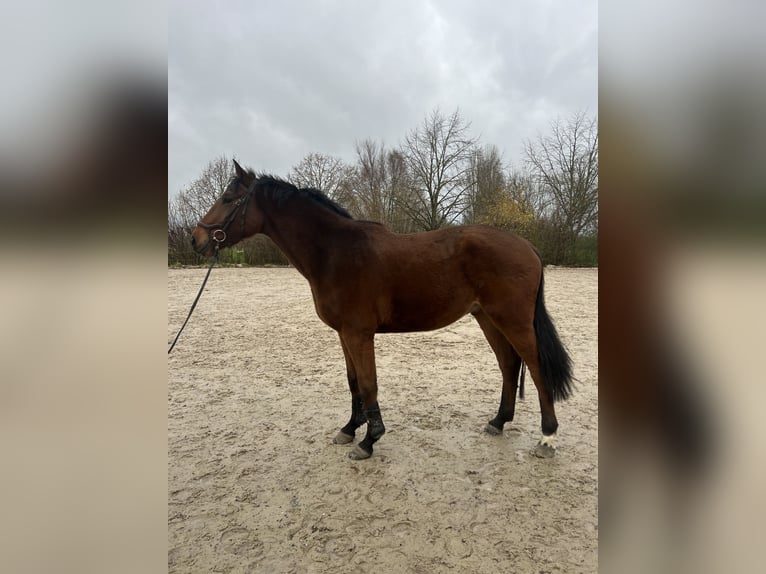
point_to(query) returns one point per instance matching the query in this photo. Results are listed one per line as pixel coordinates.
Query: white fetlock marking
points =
(549, 440)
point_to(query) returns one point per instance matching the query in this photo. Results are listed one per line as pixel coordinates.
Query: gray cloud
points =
(270, 82)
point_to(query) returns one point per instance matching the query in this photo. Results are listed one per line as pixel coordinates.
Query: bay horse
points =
(365, 279)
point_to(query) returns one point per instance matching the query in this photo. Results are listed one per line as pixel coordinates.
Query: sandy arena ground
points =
(257, 391)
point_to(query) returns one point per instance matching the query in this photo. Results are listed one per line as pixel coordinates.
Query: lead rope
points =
(209, 269)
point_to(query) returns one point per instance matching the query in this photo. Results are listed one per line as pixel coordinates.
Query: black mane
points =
(280, 190)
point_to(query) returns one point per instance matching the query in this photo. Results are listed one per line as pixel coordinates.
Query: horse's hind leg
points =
(521, 334)
(509, 362)
(346, 434)
(525, 343)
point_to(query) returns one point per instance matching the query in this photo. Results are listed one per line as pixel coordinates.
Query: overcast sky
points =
(269, 82)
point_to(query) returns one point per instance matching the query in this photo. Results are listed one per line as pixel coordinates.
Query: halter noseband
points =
(218, 233)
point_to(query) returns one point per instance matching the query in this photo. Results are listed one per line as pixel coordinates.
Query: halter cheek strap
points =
(219, 231)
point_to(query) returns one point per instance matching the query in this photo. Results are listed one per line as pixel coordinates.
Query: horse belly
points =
(407, 314)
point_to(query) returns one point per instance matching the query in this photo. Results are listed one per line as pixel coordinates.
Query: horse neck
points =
(306, 233)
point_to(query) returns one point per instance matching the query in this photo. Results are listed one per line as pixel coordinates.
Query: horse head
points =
(232, 218)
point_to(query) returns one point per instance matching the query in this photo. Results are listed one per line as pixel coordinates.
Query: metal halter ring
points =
(215, 237)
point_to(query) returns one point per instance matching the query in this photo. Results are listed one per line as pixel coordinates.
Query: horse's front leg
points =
(360, 352)
(346, 434)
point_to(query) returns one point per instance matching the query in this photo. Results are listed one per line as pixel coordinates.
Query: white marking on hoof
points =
(545, 448)
(548, 440)
(491, 429)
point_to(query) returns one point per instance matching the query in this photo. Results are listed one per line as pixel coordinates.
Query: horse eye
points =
(228, 199)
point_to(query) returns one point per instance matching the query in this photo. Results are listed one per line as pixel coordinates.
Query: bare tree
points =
(524, 190)
(485, 178)
(179, 249)
(501, 198)
(437, 154)
(196, 198)
(381, 185)
(371, 180)
(565, 165)
(320, 171)
(401, 192)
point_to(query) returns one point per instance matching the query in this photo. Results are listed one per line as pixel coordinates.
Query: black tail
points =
(555, 364)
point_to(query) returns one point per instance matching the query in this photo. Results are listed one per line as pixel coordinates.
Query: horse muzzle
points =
(216, 238)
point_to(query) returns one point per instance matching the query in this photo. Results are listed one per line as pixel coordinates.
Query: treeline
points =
(439, 176)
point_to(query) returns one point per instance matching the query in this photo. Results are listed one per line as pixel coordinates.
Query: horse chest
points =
(327, 309)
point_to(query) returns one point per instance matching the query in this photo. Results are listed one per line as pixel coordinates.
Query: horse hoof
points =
(492, 429)
(359, 453)
(342, 438)
(544, 450)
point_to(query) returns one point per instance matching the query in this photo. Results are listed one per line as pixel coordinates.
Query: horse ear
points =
(238, 168)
